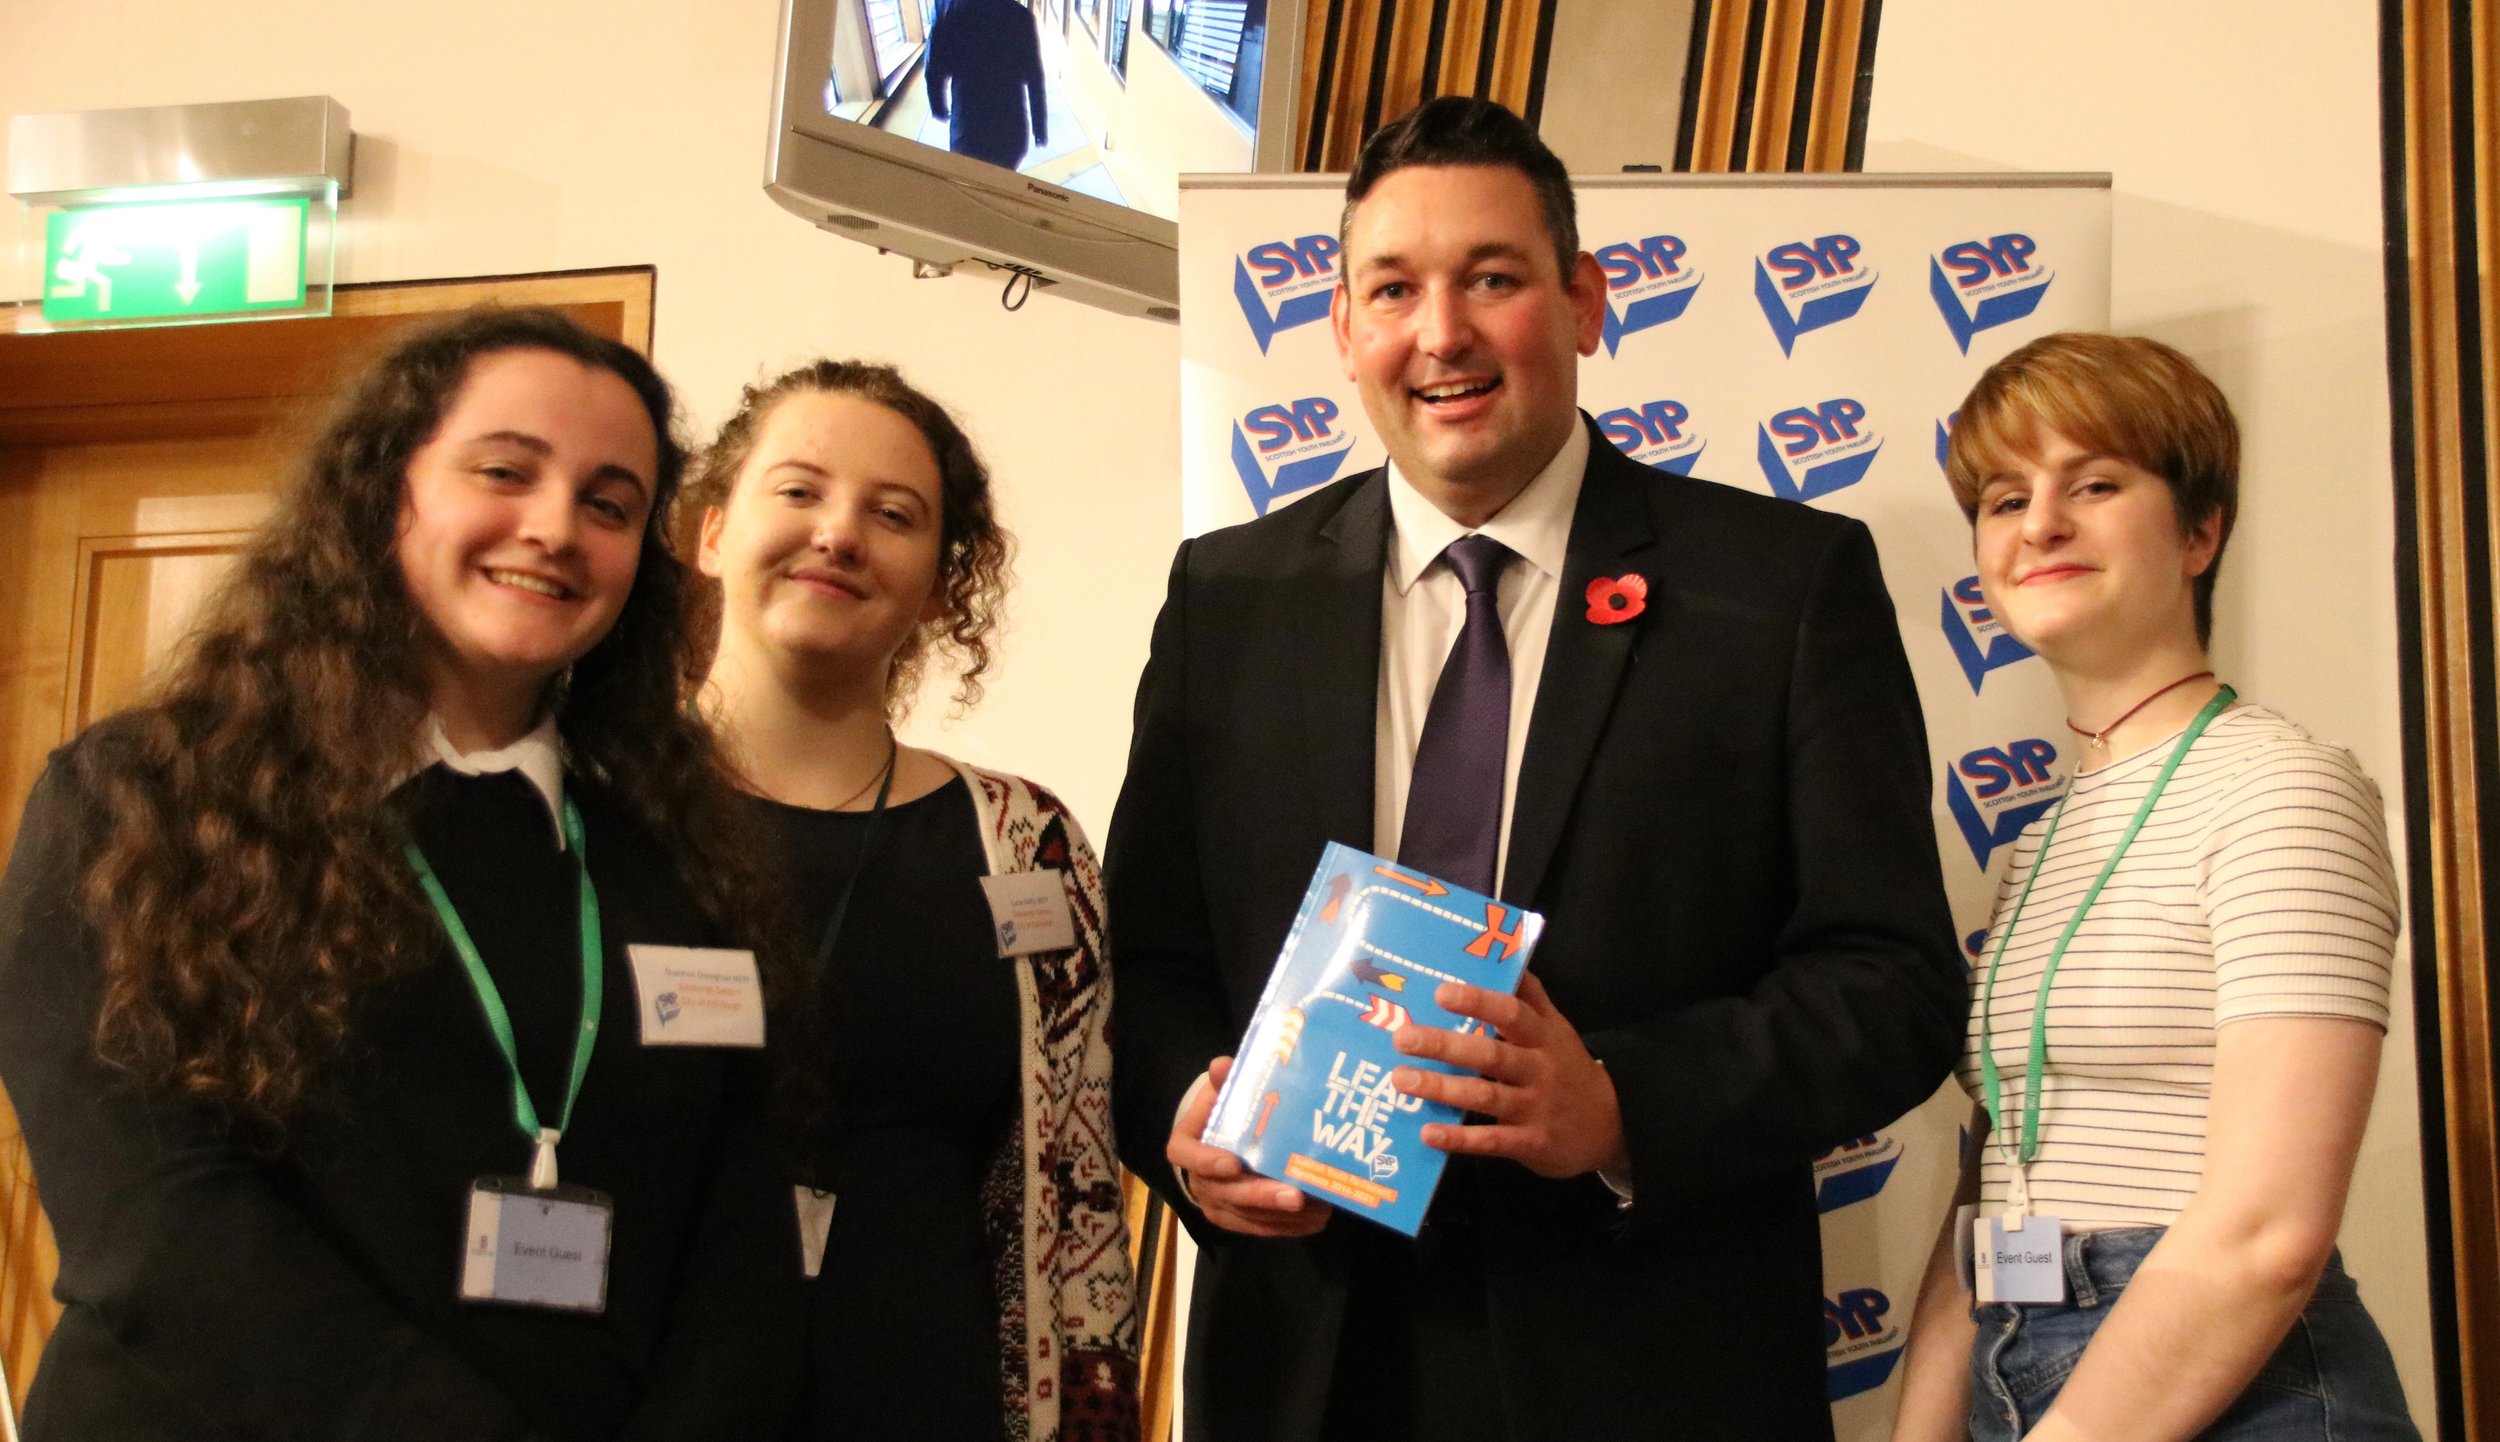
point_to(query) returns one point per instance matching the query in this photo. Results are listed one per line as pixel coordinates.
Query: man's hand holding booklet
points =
(1309, 1100)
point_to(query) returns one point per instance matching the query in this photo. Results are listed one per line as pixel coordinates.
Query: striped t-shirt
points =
(2260, 886)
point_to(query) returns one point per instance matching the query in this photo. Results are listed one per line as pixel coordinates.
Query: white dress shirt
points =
(1423, 607)
(538, 756)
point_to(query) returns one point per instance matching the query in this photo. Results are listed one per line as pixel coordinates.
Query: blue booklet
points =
(1308, 1100)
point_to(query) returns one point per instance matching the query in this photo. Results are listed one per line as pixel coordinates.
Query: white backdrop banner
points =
(1806, 337)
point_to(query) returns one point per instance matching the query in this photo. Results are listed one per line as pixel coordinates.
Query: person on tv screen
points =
(320, 970)
(985, 80)
(2179, 1006)
(964, 1214)
(1675, 718)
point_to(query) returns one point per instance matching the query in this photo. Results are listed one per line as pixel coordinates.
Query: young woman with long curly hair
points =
(320, 971)
(974, 1278)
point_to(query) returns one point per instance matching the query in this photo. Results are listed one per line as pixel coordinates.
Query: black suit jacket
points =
(1723, 813)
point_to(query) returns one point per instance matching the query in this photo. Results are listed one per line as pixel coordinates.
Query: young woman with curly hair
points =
(974, 1277)
(357, 915)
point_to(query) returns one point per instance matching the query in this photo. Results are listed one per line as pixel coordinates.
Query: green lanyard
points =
(2040, 1003)
(594, 970)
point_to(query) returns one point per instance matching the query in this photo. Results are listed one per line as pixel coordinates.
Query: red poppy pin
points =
(1618, 598)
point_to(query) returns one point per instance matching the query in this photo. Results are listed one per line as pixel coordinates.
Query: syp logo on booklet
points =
(1996, 791)
(1808, 285)
(1981, 284)
(1647, 284)
(1657, 433)
(1287, 447)
(1813, 450)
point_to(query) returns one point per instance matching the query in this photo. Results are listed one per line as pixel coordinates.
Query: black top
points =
(923, 1035)
(213, 1293)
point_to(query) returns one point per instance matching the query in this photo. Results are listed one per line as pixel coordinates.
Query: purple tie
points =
(1454, 800)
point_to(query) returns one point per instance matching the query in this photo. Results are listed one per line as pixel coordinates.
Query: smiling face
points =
(1460, 332)
(827, 550)
(521, 524)
(2082, 557)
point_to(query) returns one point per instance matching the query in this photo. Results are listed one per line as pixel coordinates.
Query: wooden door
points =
(132, 466)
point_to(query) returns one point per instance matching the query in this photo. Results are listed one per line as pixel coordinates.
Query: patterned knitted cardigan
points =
(1050, 1199)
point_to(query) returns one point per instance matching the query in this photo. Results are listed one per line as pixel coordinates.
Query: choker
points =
(2100, 738)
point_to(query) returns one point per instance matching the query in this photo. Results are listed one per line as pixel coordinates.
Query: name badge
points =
(815, 1224)
(1030, 912)
(698, 996)
(2025, 1263)
(537, 1249)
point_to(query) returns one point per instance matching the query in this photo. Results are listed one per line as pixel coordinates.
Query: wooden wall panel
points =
(2441, 100)
(1777, 85)
(1366, 62)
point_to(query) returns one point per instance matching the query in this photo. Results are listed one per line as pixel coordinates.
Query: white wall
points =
(2244, 147)
(495, 138)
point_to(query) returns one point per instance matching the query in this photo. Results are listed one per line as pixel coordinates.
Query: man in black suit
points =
(1676, 719)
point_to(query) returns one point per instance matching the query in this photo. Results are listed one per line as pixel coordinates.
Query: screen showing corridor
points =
(1113, 99)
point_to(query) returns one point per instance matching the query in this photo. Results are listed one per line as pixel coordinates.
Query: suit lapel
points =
(1584, 664)
(1338, 671)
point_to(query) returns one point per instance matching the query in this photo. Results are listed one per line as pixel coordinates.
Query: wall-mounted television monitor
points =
(1047, 136)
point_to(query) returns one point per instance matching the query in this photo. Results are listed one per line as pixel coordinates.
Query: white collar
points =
(1536, 525)
(538, 756)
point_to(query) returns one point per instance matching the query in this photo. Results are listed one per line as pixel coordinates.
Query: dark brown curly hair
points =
(974, 550)
(247, 888)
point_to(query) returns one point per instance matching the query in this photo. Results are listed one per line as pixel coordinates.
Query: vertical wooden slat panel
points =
(1367, 62)
(1721, 80)
(1775, 87)
(1319, 31)
(2451, 364)
(1514, 52)
(1835, 88)
(2484, 101)
(1410, 39)
(1358, 29)
(1462, 48)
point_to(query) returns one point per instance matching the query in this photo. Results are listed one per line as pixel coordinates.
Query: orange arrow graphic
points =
(1267, 1104)
(1424, 884)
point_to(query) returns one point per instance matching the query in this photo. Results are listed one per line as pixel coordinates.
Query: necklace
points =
(892, 749)
(2098, 738)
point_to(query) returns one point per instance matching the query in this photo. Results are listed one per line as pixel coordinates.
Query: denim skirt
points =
(2332, 1380)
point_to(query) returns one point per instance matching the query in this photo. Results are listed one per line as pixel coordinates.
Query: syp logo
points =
(1944, 443)
(1647, 284)
(1811, 451)
(1996, 791)
(1854, 1171)
(1656, 433)
(1981, 284)
(1282, 449)
(1805, 285)
(1861, 1345)
(1979, 640)
(1285, 283)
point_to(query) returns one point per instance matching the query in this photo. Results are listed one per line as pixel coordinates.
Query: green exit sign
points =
(175, 260)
